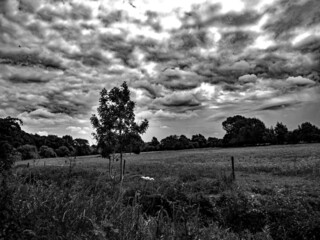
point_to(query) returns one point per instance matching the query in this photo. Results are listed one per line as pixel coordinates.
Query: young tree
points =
(115, 124)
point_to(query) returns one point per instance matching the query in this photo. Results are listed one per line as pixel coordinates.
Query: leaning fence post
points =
(232, 163)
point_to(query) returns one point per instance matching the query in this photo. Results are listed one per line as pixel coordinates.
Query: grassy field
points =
(279, 166)
(276, 195)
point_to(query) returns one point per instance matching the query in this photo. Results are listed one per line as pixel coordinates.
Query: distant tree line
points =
(22, 145)
(240, 131)
(174, 142)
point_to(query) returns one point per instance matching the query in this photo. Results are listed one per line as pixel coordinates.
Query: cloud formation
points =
(193, 62)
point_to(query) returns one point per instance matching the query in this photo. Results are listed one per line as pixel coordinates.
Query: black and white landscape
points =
(217, 99)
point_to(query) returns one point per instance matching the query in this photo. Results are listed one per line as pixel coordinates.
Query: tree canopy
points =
(243, 131)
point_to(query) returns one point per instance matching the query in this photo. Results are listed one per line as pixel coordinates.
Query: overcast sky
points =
(189, 64)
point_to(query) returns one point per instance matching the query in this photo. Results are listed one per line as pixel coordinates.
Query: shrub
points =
(136, 150)
(63, 151)
(28, 152)
(292, 218)
(239, 212)
(47, 152)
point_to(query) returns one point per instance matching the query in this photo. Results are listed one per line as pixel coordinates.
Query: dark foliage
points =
(47, 152)
(240, 131)
(281, 133)
(82, 147)
(45, 146)
(243, 131)
(28, 152)
(8, 155)
(63, 151)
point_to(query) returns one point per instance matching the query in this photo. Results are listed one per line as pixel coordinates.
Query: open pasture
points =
(293, 168)
(301, 160)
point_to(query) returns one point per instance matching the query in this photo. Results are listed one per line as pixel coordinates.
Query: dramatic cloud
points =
(292, 15)
(187, 63)
(300, 81)
(25, 57)
(248, 78)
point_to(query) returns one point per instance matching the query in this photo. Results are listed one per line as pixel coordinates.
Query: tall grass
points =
(56, 203)
(192, 196)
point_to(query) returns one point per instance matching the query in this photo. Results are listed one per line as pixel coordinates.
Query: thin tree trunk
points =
(121, 166)
(121, 160)
(110, 173)
(124, 167)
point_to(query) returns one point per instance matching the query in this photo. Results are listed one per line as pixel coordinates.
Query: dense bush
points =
(240, 212)
(28, 152)
(63, 151)
(47, 152)
(292, 218)
(285, 217)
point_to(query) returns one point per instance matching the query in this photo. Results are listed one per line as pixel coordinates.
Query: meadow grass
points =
(276, 195)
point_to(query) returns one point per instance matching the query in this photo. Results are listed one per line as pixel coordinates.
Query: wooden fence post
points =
(124, 167)
(233, 174)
